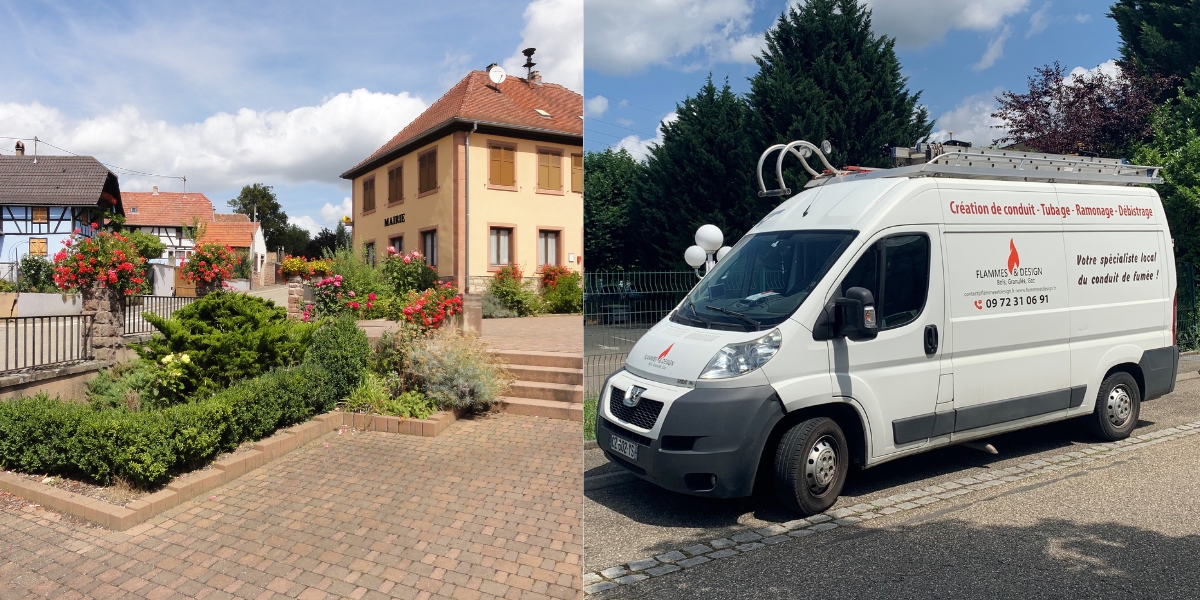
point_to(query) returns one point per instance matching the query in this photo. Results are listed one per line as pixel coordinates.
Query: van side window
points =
(905, 280)
(900, 289)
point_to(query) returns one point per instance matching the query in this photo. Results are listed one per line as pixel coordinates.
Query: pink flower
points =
(407, 260)
(351, 293)
(371, 296)
(391, 249)
(368, 305)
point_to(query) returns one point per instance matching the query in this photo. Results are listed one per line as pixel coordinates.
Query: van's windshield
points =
(763, 279)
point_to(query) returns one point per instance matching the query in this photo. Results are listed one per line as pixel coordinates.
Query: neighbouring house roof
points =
(167, 209)
(58, 181)
(235, 235)
(512, 105)
(231, 218)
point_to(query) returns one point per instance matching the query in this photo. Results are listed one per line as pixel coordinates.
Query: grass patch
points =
(589, 419)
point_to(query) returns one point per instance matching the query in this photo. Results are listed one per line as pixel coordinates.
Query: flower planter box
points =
(431, 427)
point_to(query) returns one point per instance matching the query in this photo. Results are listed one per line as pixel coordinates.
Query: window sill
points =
(396, 203)
(551, 192)
(368, 212)
(428, 193)
(503, 188)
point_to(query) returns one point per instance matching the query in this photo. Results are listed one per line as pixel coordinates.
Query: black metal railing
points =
(163, 306)
(618, 307)
(27, 342)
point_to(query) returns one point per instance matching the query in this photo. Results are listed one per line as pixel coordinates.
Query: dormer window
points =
(133, 210)
(544, 114)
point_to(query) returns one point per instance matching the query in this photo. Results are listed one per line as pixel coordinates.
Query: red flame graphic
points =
(664, 352)
(1014, 260)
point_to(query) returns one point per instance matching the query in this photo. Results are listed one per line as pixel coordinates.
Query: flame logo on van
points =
(664, 352)
(1014, 260)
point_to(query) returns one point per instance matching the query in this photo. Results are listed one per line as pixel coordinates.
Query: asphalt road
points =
(1127, 528)
(635, 520)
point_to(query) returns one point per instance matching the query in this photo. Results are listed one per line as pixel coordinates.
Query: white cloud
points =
(1083, 18)
(306, 222)
(640, 148)
(918, 23)
(1108, 67)
(1038, 21)
(227, 150)
(331, 214)
(595, 106)
(625, 122)
(623, 37)
(555, 28)
(995, 50)
(972, 120)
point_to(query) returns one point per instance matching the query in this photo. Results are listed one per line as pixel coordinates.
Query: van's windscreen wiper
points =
(757, 326)
(702, 320)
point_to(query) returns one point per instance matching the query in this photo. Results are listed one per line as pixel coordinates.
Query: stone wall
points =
(295, 302)
(108, 323)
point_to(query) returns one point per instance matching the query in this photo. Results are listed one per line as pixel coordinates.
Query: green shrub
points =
(200, 431)
(137, 447)
(36, 275)
(149, 246)
(406, 273)
(342, 349)
(356, 273)
(410, 405)
(121, 385)
(229, 337)
(35, 432)
(509, 289)
(565, 295)
(369, 396)
(494, 309)
(456, 372)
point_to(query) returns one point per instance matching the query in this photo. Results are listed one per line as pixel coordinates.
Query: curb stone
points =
(749, 540)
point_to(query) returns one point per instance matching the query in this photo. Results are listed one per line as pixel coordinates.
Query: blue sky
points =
(228, 93)
(960, 54)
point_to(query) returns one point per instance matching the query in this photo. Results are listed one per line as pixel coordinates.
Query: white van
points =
(881, 314)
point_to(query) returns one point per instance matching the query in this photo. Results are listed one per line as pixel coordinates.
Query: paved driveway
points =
(491, 508)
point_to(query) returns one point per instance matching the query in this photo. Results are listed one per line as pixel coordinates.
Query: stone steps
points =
(546, 384)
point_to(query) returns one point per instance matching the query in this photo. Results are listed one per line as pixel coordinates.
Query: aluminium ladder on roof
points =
(977, 163)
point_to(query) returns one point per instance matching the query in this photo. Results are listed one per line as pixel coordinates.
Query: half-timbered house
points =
(168, 215)
(43, 199)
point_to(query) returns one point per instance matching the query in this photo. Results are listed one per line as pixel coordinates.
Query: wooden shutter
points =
(368, 195)
(41, 214)
(501, 166)
(37, 246)
(577, 173)
(555, 171)
(427, 167)
(396, 185)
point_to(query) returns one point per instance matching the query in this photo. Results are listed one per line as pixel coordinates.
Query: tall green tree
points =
(1175, 147)
(295, 240)
(825, 76)
(259, 201)
(1158, 37)
(610, 179)
(702, 172)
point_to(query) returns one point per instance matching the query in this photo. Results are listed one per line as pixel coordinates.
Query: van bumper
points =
(705, 434)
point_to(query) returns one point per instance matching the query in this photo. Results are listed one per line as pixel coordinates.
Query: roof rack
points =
(973, 163)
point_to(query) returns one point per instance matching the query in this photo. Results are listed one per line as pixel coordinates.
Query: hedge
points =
(56, 437)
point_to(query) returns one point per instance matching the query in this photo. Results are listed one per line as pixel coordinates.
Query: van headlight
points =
(739, 359)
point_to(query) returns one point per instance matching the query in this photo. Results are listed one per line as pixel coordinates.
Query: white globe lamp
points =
(695, 256)
(709, 238)
(722, 252)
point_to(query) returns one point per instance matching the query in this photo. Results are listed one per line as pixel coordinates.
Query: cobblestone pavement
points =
(547, 333)
(491, 508)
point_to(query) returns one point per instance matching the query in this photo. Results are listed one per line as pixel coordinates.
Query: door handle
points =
(931, 340)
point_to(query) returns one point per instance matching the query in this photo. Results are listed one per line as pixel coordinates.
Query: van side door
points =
(894, 377)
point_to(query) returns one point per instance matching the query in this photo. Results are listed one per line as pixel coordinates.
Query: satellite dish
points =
(497, 75)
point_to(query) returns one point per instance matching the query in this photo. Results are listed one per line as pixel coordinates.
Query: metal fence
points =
(27, 342)
(1187, 325)
(163, 306)
(618, 307)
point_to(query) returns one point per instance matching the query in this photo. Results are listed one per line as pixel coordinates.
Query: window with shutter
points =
(396, 184)
(577, 173)
(368, 195)
(502, 166)
(550, 170)
(37, 246)
(41, 214)
(427, 172)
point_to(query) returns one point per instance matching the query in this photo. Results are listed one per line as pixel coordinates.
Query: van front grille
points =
(644, 415)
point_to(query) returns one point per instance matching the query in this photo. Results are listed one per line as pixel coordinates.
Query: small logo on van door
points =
(1012, 267)
(1014, 259)
(661, 361)
(633, 395)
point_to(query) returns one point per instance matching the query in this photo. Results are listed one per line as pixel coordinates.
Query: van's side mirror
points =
(855, 314)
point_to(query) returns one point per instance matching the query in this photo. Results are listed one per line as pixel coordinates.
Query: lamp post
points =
(708, 249)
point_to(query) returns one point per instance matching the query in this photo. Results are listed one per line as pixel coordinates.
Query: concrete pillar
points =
(107, 329)
(472, 316)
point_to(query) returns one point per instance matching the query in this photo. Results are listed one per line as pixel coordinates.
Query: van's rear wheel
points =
(1117, 407)
(811, 465)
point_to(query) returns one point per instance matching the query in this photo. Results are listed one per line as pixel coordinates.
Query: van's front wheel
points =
(811, 465)
(1117, 407)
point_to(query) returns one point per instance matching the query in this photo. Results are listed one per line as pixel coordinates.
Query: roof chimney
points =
(156, 190)
(20, 149)
(535, 77)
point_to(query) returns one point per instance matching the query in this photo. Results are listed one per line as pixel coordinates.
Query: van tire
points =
(810, 466)
(1118, 406)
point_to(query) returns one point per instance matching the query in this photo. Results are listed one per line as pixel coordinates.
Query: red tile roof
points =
(166, 209)
(475, 98)
(236, 235)
(231, 218)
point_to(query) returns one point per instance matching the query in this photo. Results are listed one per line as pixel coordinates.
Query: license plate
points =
(623, 447)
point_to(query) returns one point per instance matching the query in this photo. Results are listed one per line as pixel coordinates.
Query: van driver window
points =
(900, 293)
